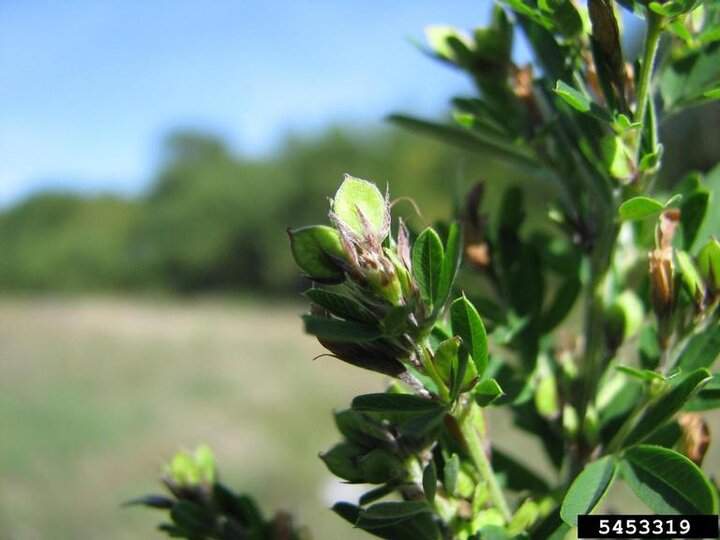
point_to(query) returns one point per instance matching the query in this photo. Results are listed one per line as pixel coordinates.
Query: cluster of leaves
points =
(201, 507)
(385, 308)
(612, 393)
(588, 127)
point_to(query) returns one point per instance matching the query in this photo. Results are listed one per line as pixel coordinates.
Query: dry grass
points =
(96, 393)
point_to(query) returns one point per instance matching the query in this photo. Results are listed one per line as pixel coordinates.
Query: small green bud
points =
(623, 318)
(571, 422)
(546, 397)
(384, 281)
(188, 470)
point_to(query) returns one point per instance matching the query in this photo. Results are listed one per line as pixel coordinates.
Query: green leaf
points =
(639, 208)
(538, 17)
(151, 501)
(427, 262)
(192, 517)
(641, 374)
(358, 429)
(355, 197)
(379, 466)
(384, 513)
(395, 403)
(588, 489)
(450, 473)
(418, 426)
(701, 351)
(429, 481)
(467, 324)
(486, 392)
(451, 263)
(566, 18)
(665, 407)
(462, 138)
(576, 99)
(342, 460)
(375, 494)
(420, 526)
(464, 375)
(339, 331)
(667, 482)
(240, 507)
(692, 214)
(317, 250)
(341, 306)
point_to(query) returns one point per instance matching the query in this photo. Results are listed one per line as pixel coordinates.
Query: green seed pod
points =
(546, 397)
(623, 318)
(318, 252)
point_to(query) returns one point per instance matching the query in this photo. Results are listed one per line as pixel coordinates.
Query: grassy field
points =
(96, 393)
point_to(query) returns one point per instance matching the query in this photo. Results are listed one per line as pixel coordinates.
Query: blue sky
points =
(88, 88)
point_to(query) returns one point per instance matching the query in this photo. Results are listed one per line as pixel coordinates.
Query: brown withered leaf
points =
(695, 436)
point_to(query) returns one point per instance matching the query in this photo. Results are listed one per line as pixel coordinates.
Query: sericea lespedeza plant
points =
(630, 270)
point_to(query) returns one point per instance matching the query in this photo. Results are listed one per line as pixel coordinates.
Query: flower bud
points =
(708, 261)
(662, 281)
(192, 470)
(318, 252)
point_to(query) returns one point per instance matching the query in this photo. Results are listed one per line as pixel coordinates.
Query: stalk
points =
(482, 463)
(652, 41)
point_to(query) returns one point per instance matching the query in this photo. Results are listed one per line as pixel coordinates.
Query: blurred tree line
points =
(213, 220)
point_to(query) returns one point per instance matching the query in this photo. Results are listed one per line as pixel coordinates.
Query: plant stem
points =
(652, 40)
(477, 453)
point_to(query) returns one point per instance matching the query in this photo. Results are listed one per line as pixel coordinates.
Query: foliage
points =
(639, 264)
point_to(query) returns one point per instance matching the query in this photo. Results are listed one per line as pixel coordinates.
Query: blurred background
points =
(152, 155)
